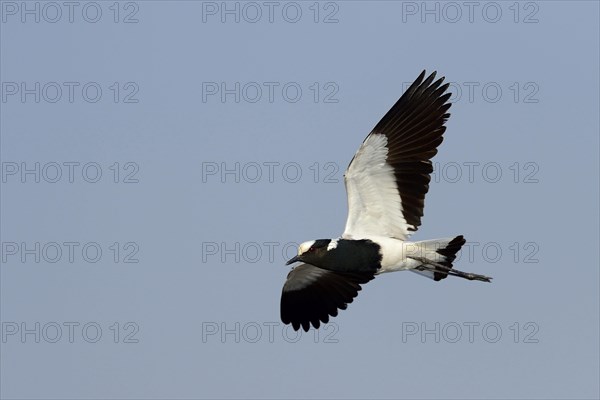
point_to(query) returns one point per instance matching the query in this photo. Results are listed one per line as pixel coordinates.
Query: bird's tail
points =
(436, 257)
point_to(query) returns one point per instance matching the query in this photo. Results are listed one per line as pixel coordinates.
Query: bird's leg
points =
(450, 271)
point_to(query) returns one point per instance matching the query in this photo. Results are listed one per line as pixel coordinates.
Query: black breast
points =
(353, 255)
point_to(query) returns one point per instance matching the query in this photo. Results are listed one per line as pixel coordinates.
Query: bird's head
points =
(312, 251)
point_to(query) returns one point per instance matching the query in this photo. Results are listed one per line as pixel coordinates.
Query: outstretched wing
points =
(388, 177)
(311, 294)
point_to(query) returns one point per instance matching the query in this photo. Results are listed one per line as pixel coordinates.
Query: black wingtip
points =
(430, 79)
(311, 295)
(431, 76)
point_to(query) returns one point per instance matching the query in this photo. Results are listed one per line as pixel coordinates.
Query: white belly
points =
(396, 254)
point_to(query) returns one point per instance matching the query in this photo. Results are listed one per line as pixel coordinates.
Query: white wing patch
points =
(374, 204)
(332, 245)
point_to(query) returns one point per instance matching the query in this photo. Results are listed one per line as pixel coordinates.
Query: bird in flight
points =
(386, 183)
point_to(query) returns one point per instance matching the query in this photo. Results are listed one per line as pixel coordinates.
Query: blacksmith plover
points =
(386, 183)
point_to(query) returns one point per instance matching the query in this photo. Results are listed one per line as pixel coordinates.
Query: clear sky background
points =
(222, 144)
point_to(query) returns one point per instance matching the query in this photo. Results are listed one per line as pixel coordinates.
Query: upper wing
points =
(311, 294)
(388, 177)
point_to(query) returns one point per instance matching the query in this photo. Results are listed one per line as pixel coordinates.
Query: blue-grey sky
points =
(160, 160)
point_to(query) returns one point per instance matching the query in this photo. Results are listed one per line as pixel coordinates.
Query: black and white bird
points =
(386, 183)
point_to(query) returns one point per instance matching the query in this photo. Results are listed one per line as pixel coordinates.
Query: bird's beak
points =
(293, 260)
